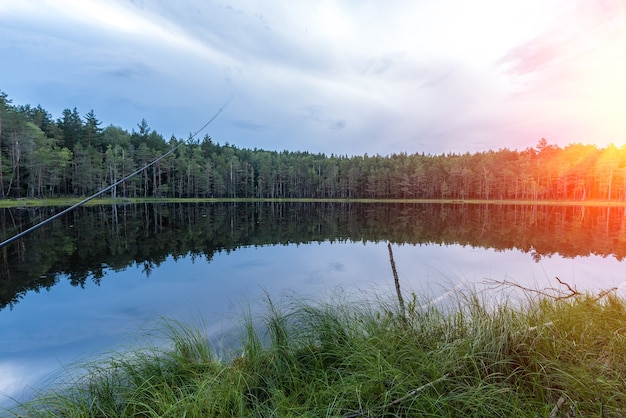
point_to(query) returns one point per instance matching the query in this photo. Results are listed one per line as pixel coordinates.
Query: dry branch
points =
(557, 407)
(398, 401)
(550, 292)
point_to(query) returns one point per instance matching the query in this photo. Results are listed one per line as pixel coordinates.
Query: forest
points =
(75, 156)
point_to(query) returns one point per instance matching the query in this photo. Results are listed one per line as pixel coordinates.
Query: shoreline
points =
(17, 203)
(552, 355)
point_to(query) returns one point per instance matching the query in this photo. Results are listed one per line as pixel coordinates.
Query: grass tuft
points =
(544, 357)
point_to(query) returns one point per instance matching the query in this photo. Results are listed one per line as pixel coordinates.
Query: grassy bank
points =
(12, 203)
(544, 358)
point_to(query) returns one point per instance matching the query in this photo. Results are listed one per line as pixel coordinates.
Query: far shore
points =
(28, 202)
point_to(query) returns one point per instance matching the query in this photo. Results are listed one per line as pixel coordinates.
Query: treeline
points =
(74, 156)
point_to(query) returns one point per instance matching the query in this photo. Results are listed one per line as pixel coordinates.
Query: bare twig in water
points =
(550, 292)
(605, 292)
(396, 280)
(572, 291)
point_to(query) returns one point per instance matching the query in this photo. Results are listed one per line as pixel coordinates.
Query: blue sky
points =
(342, 77)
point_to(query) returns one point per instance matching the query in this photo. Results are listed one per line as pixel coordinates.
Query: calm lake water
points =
(100, 278)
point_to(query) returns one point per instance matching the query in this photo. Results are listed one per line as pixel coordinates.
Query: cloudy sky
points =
(343, 77)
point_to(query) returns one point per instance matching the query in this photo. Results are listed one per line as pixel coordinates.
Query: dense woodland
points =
(75, 156)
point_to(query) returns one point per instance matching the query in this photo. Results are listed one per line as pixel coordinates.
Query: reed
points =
(345, 358)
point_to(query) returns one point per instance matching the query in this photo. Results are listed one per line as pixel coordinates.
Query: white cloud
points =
(390, 77)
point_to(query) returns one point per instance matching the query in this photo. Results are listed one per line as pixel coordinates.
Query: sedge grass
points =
(357, 359)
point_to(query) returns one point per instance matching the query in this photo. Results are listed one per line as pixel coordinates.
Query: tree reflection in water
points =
(86, 242)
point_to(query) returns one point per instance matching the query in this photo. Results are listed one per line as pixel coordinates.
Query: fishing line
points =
(117, 183)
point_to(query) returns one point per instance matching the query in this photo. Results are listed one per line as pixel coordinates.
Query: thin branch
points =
(605, 292)
(553, 293)
(573, 290)
(415, 392)
(398, 401)
(550, 292)
(557, 407)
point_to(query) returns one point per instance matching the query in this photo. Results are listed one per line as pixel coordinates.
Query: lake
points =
(100, 278)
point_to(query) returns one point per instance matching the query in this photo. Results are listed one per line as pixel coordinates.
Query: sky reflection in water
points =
(47, 330)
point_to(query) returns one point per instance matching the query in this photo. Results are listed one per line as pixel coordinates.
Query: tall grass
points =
(358, 359)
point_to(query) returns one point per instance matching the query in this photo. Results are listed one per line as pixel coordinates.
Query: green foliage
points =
(203, 169)
(354, 359)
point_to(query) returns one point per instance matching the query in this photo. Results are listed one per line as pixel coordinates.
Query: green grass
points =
(358, 359)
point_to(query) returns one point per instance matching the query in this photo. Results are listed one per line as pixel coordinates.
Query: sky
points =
(341, 77)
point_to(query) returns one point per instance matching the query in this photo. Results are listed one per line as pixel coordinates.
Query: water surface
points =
(101, 277)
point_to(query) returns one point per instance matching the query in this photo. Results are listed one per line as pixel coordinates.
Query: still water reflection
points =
(94, 280)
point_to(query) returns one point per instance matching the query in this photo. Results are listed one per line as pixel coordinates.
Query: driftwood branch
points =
(398, 401)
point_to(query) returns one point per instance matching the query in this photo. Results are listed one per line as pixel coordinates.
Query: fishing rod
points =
(117, 183)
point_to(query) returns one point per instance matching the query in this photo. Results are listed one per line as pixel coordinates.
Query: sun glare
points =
(603, 90)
